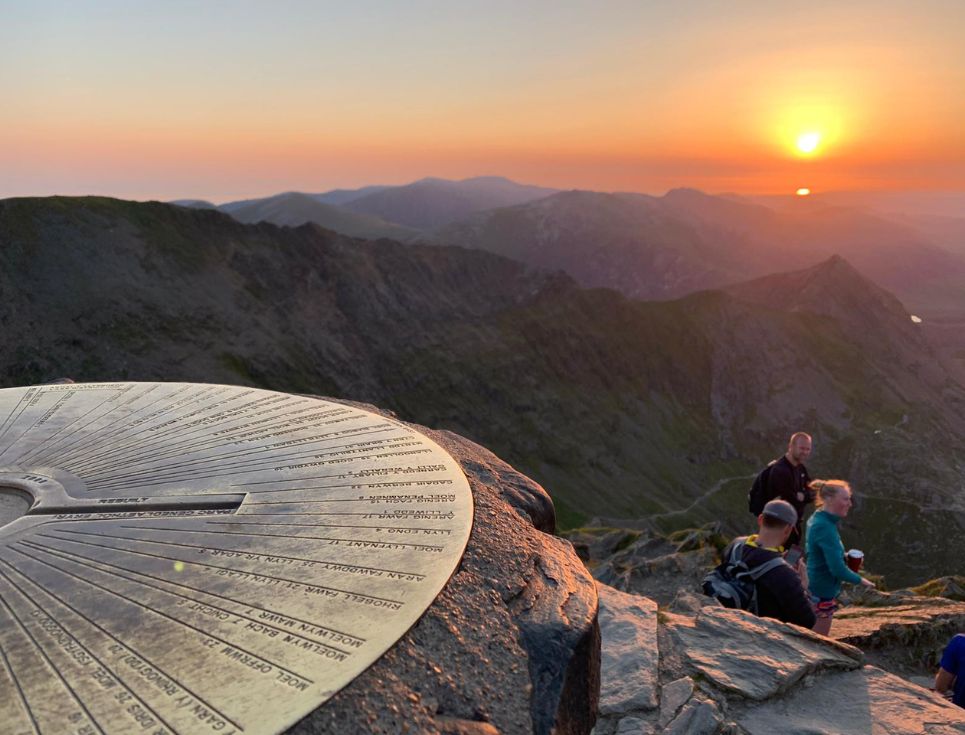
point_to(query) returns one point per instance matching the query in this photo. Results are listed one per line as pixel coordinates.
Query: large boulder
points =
(510, 645)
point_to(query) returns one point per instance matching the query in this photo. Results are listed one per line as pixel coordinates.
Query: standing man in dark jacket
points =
(781, 591)
(787, 479)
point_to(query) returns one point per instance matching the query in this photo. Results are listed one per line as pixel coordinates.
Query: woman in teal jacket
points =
(826, 566)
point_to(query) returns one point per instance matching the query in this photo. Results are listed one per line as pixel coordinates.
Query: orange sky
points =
(191, 100)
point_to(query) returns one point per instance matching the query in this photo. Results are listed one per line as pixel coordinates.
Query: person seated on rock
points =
(825, 552)
(950, 680)
(781, 590)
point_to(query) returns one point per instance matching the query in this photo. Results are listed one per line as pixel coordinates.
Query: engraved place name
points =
(238, 575)
(346, 459)
(272, 632)
(84, 387)
(295, 416)
(299, 626)
(382, 471)
(82, 516)
(355, 543)
(409, 498)
(262, 667)
(130, 666)
(286, 429)
(209, 558)
(402, 514)
(289, 561)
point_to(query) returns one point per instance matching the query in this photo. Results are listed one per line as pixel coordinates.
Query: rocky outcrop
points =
(754, 658)
(952, 588)
(729, 672)
(867, 700)
(656, 566)
(904, 634)
(511, 644)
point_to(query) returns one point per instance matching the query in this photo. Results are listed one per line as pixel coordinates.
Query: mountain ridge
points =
(619, 407)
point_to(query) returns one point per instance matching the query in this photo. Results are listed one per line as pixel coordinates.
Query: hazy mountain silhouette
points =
(632, 242)
(339, 197)
(294, 209)
(194, 203)
(435, 202)
(620, 407)
(946, 232)
(661, 247)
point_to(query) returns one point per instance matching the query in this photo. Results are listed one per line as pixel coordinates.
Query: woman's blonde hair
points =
(825, 490)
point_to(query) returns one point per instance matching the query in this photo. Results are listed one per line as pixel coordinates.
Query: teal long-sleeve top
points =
(826, 565)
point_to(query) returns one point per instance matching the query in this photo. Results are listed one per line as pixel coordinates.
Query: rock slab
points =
(861, 702)
(629, 654)
(754, 657)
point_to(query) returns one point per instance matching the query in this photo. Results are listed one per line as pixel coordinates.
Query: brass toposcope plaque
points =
(183, 558)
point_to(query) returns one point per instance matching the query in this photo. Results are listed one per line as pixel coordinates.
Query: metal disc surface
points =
(185, 558)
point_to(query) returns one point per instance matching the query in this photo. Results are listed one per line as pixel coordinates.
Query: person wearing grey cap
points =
(781, 590)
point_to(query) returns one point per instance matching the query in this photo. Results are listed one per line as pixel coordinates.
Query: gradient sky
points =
(225, 100)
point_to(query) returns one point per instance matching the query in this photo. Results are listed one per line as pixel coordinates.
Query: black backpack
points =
(733, 583)
(757, 496)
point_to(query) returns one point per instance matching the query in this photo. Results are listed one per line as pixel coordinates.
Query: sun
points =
(803, 192)
(808, 142)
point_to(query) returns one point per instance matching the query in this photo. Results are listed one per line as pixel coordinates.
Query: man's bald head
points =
(798, 448)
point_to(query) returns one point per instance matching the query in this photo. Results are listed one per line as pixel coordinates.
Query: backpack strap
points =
(755, 573)
(761, 569)
(737, 552)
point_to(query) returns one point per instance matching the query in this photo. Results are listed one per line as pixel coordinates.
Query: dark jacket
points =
(779, 591)
(784, 482)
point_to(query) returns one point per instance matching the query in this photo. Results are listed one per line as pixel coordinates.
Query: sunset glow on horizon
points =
(186, 100)
(808, 142)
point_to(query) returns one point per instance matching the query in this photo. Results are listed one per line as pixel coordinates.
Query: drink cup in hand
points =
(855, 559)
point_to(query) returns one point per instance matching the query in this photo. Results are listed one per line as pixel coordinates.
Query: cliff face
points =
(626, 409)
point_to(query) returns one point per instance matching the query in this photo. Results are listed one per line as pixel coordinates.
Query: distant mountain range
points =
(651, 247)
(664, 247)
(619, 407)
(295, 209)
(382, 211)
(430, 203)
